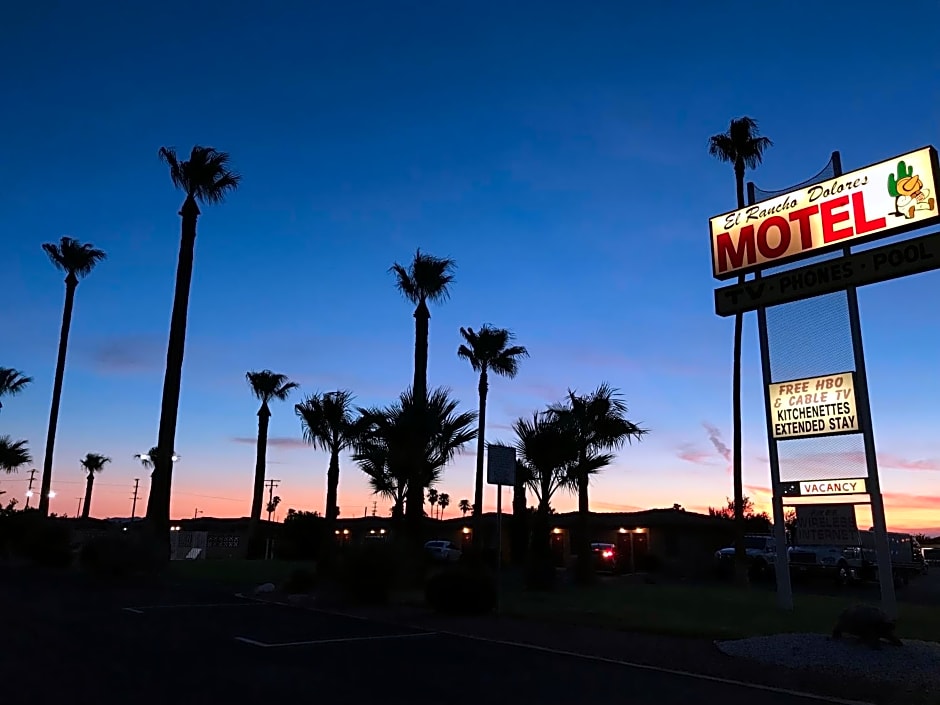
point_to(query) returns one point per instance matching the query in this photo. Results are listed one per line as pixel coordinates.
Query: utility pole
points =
(271, 485)
(78, 512)
(29, 490)
(134, 505)
(374, 504)
(196, 512)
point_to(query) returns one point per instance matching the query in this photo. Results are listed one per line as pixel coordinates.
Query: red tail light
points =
(608, 554)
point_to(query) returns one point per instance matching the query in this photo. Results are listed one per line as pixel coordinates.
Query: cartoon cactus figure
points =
(904, 172)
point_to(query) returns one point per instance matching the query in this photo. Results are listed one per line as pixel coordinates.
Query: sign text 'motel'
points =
(913, 256)
(886, 198)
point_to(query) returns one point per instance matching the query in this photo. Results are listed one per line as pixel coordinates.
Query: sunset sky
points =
(557, 151)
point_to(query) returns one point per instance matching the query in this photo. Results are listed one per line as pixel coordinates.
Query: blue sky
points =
(556, 151)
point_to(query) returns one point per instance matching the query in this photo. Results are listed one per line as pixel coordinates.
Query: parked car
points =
(931, 556)
(604, 556)
(443, 550)
(761, 554)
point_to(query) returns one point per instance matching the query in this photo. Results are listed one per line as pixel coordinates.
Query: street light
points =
(51, 494)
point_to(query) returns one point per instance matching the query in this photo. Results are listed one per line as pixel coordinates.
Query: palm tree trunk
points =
(740, 550)
(332, 489)
(89, 483)
(584, 570)
(257, 495)
(481, 443)
(71, 282)
(158, 504)
(422, 318)
(541, 567)
(520, 521)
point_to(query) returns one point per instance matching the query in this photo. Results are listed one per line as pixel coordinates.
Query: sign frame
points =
(853, 241)
(768, 291)
(844, 509)
(854, 402)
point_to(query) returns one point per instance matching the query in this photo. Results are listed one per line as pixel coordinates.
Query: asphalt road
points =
(79, 643)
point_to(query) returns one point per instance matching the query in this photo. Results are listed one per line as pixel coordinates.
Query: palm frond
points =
(328, 421)
(489, 349)
(427, 278)
(12, 382)
(741, 144)
(267, 385)
(74, 257)
(206, 176)
(94, 462)
(13, 454)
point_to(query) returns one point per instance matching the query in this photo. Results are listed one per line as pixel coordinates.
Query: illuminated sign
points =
(879, 200)
(819, 488)
(817, 406)
(826, 525)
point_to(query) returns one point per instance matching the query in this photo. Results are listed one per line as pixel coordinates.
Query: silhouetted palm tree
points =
(267, 386)
(599, 423)
(432, 500)
(464, 506)
(12, 382)
(205, 178)
(487, 350)
(13, 454)
(743, 147)
(93, 463)
(330, 424)
(146, 459)
(272, 506)
(443, 501)
(417, 440)
(427, 278)
(387, 480)
(77, 260)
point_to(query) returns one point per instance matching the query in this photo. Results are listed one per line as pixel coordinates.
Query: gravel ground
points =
(915, 665)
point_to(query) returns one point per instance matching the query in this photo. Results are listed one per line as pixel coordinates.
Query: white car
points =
(442, 550)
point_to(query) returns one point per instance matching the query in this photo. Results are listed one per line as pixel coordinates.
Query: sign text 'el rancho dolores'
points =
(887, 198)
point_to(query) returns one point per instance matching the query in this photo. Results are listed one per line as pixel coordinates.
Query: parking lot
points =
(180, 645)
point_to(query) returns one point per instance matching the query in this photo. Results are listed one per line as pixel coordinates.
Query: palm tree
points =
(464, 506)
(12, 382)
(13, 454)
(77, 260)
(487, 350)
(599, 423)
(266, 386)
(272, 506)
(330, 424)
(386, 479)
(204, 178)
(432, 500)
(743, 147)
(415, 439)
(146, 459)
(93, 463)
(443, 501)
(428, 278)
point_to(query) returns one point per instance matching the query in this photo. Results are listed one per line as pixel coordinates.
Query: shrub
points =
(367, 574)
(300, 581)
(111, 556)
(45, 542)
(462, 589)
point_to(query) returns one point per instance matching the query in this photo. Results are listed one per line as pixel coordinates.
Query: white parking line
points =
(314, 642)
(589, 657)
(140, 609)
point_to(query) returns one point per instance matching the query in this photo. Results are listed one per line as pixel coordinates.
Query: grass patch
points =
(236, 571)
(702, 611)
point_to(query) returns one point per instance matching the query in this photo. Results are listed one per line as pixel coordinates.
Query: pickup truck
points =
(847, 564)
(761, 554)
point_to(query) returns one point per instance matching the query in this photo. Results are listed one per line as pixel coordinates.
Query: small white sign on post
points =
(500, 465)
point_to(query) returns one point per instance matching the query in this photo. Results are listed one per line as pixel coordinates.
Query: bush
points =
(367, 574)
(45, 542)
(462, 589)
(112, 556)
(300, 581)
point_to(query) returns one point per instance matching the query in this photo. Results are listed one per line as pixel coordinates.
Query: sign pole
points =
(499, 545)
(782, 562)
(889, 601)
